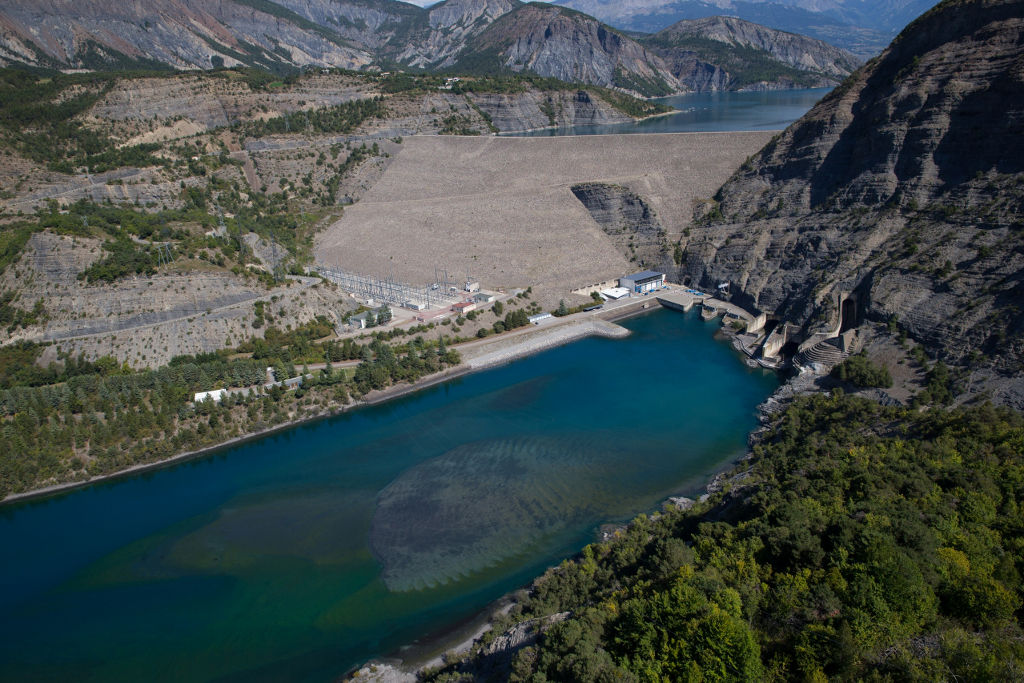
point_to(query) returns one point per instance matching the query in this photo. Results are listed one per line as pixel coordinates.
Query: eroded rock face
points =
(698, 75)
(572, 47)
(182, 33)
(903, 186)
(628, 220)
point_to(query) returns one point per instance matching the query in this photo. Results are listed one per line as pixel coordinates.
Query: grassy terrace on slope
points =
(859, 543)
(509, 83)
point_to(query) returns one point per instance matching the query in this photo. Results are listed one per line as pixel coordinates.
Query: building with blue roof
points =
(642, 282)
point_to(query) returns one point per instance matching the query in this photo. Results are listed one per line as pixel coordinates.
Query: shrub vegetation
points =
(861, 372)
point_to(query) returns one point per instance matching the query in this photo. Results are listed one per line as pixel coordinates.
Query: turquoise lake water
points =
(712, 112)
(301, 555)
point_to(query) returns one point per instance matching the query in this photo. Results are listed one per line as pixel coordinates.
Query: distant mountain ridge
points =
(490, 36)
(861, 26)
(734, 54)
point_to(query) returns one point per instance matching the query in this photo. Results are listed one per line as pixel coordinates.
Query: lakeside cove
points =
(529, 427)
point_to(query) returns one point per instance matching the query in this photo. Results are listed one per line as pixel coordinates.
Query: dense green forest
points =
(859, 542)
(859, 371)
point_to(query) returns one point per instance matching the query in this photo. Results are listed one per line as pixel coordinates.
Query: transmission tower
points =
(164, 255)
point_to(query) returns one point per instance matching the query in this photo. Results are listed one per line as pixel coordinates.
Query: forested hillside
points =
(857, 543)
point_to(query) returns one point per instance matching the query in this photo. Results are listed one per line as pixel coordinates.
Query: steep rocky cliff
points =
(446, 30)
(902, 190)
(571, 46)
(748, 55)
(178, 33)
(628, 220)
(536, 109)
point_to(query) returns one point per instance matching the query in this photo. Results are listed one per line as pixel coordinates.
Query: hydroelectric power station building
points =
(644, 281)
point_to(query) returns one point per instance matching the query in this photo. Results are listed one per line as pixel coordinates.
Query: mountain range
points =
(467, 36)
(861, 26)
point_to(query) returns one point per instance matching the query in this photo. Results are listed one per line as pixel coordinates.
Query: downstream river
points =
(303, 554)
(712, 112)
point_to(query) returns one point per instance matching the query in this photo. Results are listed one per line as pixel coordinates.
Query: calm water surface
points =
(710, 112)
(300, 555)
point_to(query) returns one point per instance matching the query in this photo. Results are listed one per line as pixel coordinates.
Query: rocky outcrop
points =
(494, 660)
(628, 220)
(449, 26)
(372, 25)
(799, 52)
(696, 74)
(539, 109)
(900, 192)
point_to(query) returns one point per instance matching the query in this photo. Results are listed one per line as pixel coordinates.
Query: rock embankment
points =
(538, 109)
(540, 339)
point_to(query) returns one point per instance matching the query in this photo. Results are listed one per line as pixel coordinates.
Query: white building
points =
(642, 282)
(216, 396)
(614, 293)
(536, 319)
